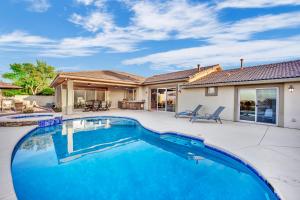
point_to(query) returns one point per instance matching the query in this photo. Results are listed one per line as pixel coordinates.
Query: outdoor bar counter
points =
(131, 105)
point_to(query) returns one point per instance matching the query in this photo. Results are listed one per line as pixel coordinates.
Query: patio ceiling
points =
(89, 85)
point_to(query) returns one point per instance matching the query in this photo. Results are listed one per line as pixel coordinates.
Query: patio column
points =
(106, 95)
(70, 97)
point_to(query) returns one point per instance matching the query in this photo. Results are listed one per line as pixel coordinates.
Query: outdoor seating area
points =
(95, 105)
(10, 105)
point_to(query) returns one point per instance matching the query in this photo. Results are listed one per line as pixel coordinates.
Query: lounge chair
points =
(215, 116)
(189, 113)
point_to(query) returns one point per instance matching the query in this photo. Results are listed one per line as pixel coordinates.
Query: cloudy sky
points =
(148, 37)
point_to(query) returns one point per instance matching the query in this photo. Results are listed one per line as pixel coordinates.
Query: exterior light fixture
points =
(291, 88)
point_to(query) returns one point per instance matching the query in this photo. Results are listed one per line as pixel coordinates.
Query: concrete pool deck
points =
(273, 151)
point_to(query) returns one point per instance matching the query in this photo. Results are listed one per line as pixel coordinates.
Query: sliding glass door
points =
(163, 99)
(266, 105)
(258, 105)
(247, 105)
(171, 99)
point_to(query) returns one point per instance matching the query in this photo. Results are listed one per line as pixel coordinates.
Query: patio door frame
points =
(260, 88)
(166, 92)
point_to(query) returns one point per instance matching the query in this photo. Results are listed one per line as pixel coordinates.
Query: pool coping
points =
(40, 119)
(218, 149)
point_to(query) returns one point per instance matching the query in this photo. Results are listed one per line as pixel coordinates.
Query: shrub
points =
(47, 91)
(12, 92)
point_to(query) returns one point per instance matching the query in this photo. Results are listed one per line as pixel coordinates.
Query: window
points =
(100, 95)
(130, 95)
(90, 95)
(211, 91)
(79, 98)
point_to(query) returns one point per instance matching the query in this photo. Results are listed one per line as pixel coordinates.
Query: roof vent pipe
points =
(242, 60)
(198, 66)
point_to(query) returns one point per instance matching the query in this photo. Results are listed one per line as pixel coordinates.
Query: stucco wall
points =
(291, 106)
(115, 95)
(140, 94)
(190, 98)
(147, 93)
(40, 100)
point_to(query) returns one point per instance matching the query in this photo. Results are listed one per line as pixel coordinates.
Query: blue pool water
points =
(116, 158)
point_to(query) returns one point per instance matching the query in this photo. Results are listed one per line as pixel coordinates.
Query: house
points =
(6, 104)
(4, 85)
(259, 94)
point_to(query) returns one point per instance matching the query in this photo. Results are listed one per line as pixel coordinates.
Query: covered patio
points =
(74, 90)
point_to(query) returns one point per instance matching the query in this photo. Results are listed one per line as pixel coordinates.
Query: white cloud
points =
(38, 5)
(94, 21)
(18, 38)
(224, 53)
(85, 2)
(244, 29)
(157, 21)
(97, 3)
(83, 46)
(177, 18)
(255, 3)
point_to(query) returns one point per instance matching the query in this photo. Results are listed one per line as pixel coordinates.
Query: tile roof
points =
(107, 75)
(290, 69)
(4, 85)
(185, 74)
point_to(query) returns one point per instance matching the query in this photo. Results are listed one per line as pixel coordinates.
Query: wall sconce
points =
(291, 88)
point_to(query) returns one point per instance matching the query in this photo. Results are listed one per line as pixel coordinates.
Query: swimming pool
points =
(117, 158)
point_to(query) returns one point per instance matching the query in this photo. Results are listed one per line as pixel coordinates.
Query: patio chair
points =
(215, 116)
(88, 106)
(105, 105)
(7, 104)
(189, 113)
(108, 105)
(96, 105)
(19, 106)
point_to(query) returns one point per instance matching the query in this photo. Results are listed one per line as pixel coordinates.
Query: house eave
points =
(166, 81)
(283, 80)
(95, 80)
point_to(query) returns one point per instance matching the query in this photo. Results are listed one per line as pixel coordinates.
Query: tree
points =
(34, 78)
